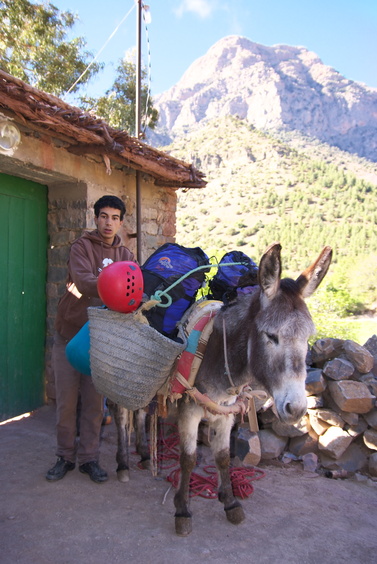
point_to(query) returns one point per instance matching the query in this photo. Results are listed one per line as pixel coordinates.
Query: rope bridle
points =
(243, 393)
(227, 369)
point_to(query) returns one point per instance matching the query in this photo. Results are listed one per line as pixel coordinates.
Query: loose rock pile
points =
(338, 434)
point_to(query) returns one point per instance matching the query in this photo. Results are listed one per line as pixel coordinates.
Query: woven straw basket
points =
(129, 360)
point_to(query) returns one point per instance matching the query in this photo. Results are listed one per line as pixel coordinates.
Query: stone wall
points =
(338, 434)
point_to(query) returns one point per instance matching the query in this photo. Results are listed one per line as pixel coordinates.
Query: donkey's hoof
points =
(183, 526)
(123, 475)
(235, 514)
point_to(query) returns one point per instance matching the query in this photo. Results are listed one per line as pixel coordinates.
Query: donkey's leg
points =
(142, 447)
(189, 416)
(220, 445)
(121, 415)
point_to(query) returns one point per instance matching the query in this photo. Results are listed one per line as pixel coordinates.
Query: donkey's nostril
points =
(294, 411)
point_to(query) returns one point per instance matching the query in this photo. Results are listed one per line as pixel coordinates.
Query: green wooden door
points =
(23, 251)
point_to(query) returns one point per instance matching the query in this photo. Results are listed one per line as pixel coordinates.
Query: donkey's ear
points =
(270, 270)
(311, 278)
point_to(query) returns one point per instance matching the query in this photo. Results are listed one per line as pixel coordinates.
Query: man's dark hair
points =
(110, 202)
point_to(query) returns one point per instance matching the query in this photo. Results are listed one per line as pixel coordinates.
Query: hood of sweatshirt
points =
(96, 238)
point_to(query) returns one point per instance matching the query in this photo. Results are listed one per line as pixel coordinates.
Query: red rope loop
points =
(205, 483)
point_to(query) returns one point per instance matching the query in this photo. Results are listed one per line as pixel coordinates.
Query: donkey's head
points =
(283, 327)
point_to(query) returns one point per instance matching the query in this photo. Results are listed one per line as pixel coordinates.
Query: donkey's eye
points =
(273, 338)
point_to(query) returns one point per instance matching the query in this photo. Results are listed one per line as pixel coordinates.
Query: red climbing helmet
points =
(120, 286)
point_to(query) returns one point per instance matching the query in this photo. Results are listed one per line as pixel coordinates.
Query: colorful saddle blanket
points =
(197, 325)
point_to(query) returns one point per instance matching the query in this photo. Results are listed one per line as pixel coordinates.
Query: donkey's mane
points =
(289, 285)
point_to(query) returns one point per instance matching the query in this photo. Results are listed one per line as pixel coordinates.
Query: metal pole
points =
(138, 70)
(138, 127)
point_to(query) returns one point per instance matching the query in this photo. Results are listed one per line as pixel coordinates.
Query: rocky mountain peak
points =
(272, 88)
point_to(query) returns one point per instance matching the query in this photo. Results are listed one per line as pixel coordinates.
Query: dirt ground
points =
(292, 517)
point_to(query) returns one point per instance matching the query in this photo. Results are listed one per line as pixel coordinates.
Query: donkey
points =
(266, 336)
(125, 420)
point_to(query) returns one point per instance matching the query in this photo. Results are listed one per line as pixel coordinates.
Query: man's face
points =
(108, 223)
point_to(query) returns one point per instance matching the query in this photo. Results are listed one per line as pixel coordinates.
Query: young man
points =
(89, 254)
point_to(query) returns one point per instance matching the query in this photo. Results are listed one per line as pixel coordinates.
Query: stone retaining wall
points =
(338, 434)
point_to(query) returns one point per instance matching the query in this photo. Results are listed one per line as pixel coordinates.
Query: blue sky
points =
(342, 33)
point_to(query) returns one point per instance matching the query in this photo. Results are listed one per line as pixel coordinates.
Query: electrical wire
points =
(102, 48)
(146, 18)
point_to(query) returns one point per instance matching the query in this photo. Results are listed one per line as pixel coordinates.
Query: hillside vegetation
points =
(263, 189)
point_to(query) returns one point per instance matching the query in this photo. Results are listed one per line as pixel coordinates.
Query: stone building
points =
(55, 162)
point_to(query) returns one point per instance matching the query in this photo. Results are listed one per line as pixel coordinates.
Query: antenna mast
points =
(138, 126)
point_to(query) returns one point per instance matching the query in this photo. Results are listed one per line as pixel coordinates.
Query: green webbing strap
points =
(159, 294)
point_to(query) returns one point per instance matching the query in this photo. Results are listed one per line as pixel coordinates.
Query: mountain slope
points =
(261, 190)
(279, 88)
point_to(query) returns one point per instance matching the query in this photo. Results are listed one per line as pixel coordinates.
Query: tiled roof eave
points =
(85, 134)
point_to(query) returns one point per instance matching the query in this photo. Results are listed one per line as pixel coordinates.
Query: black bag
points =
(166, 265)
(228, 280)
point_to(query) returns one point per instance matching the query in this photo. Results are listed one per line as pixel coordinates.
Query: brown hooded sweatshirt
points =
(88, 256)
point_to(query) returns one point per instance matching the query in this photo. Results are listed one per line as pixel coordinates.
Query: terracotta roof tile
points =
(84, 133)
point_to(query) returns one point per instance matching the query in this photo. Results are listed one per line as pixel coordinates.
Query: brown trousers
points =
(70, 385)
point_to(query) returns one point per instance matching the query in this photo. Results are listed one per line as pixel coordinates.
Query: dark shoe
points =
(60, 469)
(95, 472)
